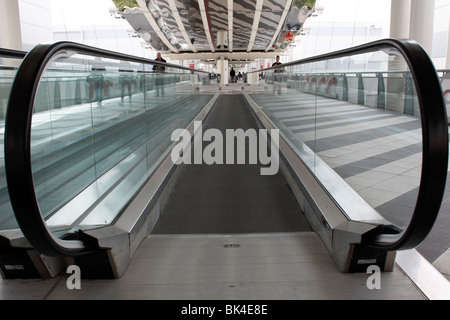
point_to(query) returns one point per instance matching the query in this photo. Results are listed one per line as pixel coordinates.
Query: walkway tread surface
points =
(220, 199)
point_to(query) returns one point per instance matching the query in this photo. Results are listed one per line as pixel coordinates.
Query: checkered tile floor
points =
(377, 152)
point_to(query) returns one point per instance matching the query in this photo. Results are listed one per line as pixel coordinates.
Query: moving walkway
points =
(91, 176)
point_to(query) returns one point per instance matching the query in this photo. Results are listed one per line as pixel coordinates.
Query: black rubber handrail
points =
(434, 138)
(9, 53)
(18, 141)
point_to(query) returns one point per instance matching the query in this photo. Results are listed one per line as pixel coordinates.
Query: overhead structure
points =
(186, 28)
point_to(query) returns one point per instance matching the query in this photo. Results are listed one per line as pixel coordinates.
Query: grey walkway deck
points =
(212, 199)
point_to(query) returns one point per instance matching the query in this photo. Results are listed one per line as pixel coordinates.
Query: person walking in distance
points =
(159, 81)
(277, 76)
(233, 75)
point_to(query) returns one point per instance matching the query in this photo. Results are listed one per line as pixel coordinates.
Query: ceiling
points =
(210, 29)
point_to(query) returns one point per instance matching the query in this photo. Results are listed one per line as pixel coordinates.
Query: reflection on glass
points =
(360, 116)
(99, 130)
(8, 70)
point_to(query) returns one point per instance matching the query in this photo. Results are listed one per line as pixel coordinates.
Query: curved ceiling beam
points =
(176, 15)
(286, 10)
(256, 19)
(203, 4)
(230, 25)
(155, 26)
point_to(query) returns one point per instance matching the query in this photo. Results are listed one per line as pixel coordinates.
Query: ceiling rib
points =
(176, 15)
(286, 10)
(230, 25)
(206, 23)
(256, 19)
(155, 26)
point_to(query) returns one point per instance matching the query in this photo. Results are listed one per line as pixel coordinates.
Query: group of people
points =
(277, 77)
(235, 77)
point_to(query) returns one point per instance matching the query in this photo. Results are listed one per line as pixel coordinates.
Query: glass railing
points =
(444, 75)
(92, 128)
(370, 124)
(9, 63)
